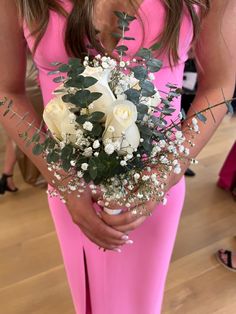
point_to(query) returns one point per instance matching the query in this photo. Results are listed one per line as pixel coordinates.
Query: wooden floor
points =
(32, 277)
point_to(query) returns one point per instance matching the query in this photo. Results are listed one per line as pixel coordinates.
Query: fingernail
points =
(99, 214)
(130, 242)
(125, 237)
(117, 250)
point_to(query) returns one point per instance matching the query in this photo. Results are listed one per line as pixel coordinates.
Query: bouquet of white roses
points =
(109, 127)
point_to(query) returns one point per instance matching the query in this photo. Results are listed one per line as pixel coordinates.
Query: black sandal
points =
(228, 263)
(4, 184)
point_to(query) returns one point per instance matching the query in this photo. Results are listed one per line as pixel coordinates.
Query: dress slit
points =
(87, 289)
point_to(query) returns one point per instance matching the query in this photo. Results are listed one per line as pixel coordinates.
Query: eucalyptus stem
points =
(198, 112)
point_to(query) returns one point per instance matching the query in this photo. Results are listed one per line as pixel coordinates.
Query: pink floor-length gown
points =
(131, 282)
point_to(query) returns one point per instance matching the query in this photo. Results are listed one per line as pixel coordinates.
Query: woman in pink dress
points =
(128, 278)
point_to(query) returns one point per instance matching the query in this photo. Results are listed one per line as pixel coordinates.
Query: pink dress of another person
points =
(227, 175)
(131, 282)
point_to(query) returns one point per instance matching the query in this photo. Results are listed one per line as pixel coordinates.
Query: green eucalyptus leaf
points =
(145, 130)
(87, 177)
(148, 88)
(53, 157)
(38, 149)
(94, 96)
(144, 53)
(123, 23)
(171, 86)
(158, 135)
(96, 116)
(201, 117)
(89, 81)
(122, 48)
(230, 107)
(74, 62)
(77, 82)
(75, 72)
(67, 98)
(66, 152)
(59, 79)
(116, 35)
(35, 137)
(140, 73)
(3, 102)
(97, 130)
(168, 111)
(147, 146)
(6, 112)
(129, 38)
(81, 98)
(183, 114)
(143, 109)
(133, 95)
(154, 65)
(125, 29)
(64, 68)
(55, 64)
(156, 46)
(66, 165)
(54, 72)
(166, 102)
(119, 14)
(82, 119)
(130, 18)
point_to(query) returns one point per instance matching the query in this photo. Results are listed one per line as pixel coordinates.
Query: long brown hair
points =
(80, 22)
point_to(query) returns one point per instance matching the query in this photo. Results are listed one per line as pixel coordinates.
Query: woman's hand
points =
(84, 215)
(131, 220)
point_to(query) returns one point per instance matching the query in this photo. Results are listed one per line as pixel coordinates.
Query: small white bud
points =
(84, 166)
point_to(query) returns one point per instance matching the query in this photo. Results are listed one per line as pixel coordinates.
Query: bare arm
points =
(12, 85)
(216, 54)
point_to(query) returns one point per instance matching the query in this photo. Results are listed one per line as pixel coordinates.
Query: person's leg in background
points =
(227, 181)
(227, 175)
(7, 182)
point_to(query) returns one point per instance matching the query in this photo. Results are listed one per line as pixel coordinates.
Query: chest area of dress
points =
(149, 24)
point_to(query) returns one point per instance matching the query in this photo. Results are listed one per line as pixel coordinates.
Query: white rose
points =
(104, 103)
(126, 132)
(60, 120)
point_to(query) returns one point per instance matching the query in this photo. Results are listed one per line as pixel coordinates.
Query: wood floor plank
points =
(207, 293)
(29, 258)
(23, 216)
(197, 263)
(46, 293)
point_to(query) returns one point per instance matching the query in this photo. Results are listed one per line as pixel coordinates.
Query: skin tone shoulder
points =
(215, 51)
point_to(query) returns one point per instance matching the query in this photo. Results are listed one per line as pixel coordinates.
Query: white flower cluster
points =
(126, 81)
(105, 62)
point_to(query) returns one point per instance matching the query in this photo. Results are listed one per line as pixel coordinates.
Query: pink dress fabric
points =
(227, 176)
(131, 282)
